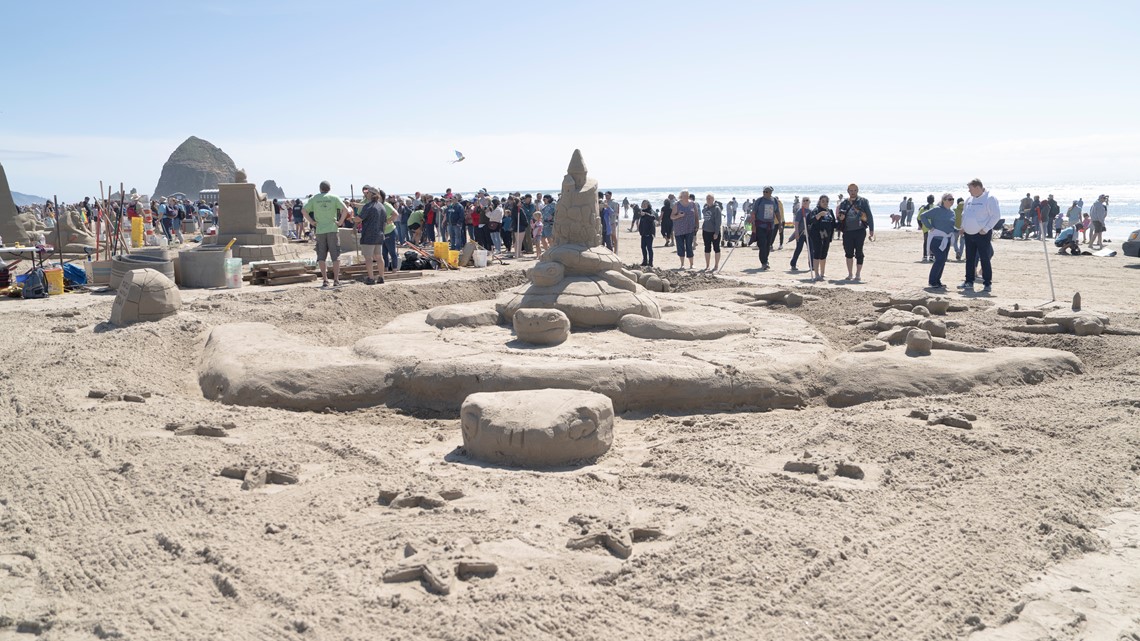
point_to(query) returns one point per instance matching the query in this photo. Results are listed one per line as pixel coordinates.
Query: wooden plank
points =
(288, 280)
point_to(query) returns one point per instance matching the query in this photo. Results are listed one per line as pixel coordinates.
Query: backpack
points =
(35, 286)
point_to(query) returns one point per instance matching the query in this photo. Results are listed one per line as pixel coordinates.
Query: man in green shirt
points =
(328, 213)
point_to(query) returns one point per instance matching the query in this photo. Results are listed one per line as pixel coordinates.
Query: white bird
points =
(458, 157)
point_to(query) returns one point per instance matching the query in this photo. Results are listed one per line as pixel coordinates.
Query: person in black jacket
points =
(667, 220)
(854, 218)
(820, 227)
(647, 227)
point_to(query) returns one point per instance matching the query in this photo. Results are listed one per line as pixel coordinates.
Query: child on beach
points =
(536, 234)
(1086, 225)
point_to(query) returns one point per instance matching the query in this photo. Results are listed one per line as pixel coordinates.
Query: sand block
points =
(954, 346)
(918, 343)
(938, 306)
(1067, 319)
(1038, 329)
(935, 327)
(681, 328)
(462, 315)
(910, 298)
(144, 295)
(873, 345)
(1020, 313)
(897, 318)
(894, 336)
(1088, 327)
(254, 364)
(541, 326)
(620, 280)
(537, 428)
(860, 378)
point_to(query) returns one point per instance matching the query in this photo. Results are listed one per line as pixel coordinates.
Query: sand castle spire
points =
(577, 169)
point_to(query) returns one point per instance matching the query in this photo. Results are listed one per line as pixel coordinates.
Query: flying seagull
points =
(458, 157)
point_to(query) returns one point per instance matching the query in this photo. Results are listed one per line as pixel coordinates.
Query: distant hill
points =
(23, 200)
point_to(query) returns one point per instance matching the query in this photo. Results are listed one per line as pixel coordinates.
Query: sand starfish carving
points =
(257, 476)
(417, 498)
(618, 540)
(438, 570)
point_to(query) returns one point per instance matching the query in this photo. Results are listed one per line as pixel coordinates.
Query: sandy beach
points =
(1024, 527)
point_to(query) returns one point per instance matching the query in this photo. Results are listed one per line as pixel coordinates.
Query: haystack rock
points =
(195, 165)
(271, 190)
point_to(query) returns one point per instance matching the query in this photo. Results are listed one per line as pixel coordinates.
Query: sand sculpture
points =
(247, 216)
(537, 428)
(646, 350)
(144, 295)
(26, 229)
(542, 326)
(576, 275)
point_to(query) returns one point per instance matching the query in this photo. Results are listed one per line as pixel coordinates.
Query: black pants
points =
(853, 244)
(979, 247)
(800, 240)
(764, 238)
(711, 244)
(647, 250)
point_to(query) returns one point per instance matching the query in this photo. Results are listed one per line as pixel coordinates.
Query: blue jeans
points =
(167, 226)
(389, 252)
(957, 243)
(456, 233)
(939, 254)
(685, 244)
(401, 232)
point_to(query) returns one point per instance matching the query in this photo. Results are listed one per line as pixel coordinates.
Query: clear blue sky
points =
(654, 93)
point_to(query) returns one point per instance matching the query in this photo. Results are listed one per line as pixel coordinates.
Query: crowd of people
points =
(515, 224)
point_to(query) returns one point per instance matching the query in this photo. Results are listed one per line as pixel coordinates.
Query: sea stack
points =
(195, 165)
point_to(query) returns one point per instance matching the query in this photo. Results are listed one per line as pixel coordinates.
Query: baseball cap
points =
(767, 189)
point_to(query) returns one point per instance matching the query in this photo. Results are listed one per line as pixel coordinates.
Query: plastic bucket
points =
(54, 277)
(233, 273)
(480, 257)
(441, 250)
(137, 233)
(453, 258)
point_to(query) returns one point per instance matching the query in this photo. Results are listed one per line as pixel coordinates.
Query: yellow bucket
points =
(137, 232)
(439, 250)
(54, 278)
(453, 258)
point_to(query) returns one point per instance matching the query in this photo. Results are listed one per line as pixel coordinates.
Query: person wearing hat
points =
(373, 218)
(327, 212)
(765, 213)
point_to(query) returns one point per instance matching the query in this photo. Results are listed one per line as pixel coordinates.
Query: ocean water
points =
(1123, 208)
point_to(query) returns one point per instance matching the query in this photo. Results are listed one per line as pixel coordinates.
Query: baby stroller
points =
(733, 235)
